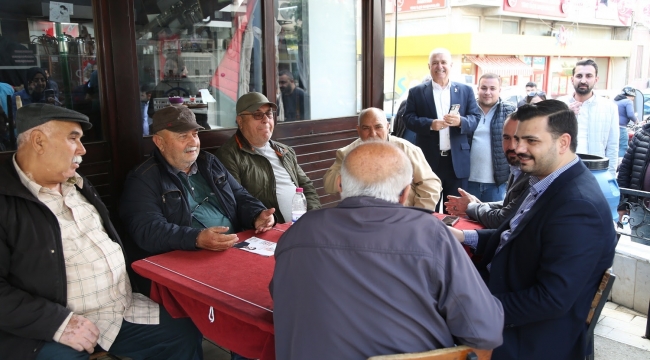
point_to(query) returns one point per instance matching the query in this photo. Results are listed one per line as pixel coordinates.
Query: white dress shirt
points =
(442, 99)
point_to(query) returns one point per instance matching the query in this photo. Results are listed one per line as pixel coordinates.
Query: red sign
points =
(414, 5)
(538, 7)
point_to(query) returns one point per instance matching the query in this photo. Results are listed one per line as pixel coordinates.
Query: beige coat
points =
(425, 188)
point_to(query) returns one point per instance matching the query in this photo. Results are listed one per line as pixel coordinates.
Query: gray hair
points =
(437, 51)
(23, 137)
(388, 188)
(367, 111)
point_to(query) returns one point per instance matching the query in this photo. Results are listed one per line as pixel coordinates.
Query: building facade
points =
(522, 40)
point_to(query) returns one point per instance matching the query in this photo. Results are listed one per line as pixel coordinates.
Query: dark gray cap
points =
(33, 115)
(174, 118)
(252, 101)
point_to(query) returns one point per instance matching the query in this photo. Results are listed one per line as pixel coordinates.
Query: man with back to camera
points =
(546, 261)
(382, 279)
(372, 126)
(442, 135)
(295, 100)
(64, 286)
(598, 132)
(493, 214)
(489, 169)
(267, 169)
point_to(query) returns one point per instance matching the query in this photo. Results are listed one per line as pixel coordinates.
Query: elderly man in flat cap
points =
(182, 198)
(64, 288)
(267, 169)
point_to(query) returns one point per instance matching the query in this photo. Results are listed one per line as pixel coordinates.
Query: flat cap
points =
(174, 118)
(33, 115)
(252, 101)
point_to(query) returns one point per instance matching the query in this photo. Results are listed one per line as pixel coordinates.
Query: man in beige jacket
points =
(426, 186)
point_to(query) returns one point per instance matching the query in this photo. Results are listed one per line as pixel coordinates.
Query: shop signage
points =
(538, 7)
(582, 10)
(414, 5)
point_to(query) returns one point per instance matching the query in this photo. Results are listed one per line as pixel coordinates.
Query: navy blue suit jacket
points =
(421, 110)
(547, 274)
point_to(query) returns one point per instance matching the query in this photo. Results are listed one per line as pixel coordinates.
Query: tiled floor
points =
(623, 325)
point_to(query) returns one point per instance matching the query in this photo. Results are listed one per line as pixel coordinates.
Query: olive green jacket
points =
(254, 172)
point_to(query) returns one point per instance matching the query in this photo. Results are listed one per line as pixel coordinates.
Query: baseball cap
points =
(252, 101)
(174, 118)
(33, 115)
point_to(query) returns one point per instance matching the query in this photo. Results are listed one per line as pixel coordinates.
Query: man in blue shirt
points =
(546, 260)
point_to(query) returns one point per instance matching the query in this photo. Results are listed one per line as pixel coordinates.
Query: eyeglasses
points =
(261, 115)
(536, 93)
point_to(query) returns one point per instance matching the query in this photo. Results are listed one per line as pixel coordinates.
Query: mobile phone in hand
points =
(450, 220)
(455, 108)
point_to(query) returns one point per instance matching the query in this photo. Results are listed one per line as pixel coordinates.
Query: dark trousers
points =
(170, 339)
(450, 183)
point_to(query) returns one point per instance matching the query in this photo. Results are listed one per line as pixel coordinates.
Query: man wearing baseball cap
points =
(64, 288)
(265, 167)
(182, 198)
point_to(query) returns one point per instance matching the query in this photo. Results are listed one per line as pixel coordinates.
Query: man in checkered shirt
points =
(64, 289)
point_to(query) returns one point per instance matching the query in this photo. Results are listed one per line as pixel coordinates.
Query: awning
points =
(502, 66)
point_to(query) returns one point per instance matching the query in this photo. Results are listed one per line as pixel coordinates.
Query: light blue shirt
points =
(481, 169)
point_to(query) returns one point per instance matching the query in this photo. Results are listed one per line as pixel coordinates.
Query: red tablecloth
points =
(225, 293)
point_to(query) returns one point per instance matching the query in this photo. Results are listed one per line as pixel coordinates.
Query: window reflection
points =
(48, 56)
(209, 51)
(319, 59)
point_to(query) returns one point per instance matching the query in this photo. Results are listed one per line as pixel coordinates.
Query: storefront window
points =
(319, 59)
(206, 52)
(48, 55)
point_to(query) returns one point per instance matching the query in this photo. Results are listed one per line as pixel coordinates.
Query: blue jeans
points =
(170, 339)
(487, 192)
(622, 141)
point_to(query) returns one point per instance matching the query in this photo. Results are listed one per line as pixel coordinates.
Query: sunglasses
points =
(261, 115)
(536, 93)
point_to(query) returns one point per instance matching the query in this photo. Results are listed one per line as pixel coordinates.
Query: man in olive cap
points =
(64, 288)
(182, 198)
(265, 167)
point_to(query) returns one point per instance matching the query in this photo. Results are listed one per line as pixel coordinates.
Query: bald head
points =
(378, 169)
(372, 124)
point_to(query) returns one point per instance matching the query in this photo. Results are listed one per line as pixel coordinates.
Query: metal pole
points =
(65, 68)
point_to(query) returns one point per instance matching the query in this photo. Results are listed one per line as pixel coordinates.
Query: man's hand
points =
(80, 334)
(457, 206)
(452, 119)
(438, 125)
(264, 221)
(214, 239)
(622, 213)
(575, 107)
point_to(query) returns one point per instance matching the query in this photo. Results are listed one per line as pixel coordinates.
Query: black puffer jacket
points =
(632, 170)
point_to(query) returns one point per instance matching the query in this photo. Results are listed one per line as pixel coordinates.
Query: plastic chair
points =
(597, 305)
(454, 353)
